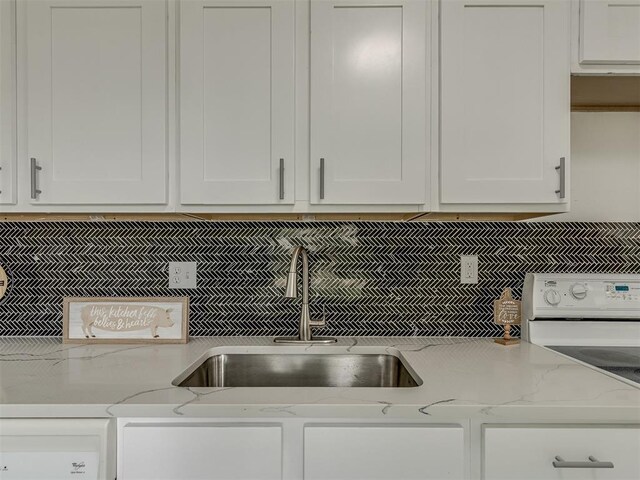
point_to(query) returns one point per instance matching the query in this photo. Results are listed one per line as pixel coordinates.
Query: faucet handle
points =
(319, 323)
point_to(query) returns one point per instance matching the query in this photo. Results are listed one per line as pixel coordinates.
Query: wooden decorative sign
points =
(126, 320)
(507, 312)
(4, 282)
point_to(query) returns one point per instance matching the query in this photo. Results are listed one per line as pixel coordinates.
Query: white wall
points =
(605, 163)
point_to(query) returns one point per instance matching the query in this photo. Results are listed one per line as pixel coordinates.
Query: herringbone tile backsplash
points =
(372, 278)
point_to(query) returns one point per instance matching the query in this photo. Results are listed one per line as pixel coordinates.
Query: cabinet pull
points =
(561, 171)
(592, 463)
(322, 179)
(34, 179)
(281, 173)
(0, 169)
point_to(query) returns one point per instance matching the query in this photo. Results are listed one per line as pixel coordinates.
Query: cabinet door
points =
(610, 32)
(368, 109)
(505, 103)
(528, 453)
(383, 452)
(237, 102)
(200, 451)
(96, 94)
(7, 101)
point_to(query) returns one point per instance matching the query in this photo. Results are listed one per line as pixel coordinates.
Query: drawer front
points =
(200, 451)
(383, 452)
(523, 452)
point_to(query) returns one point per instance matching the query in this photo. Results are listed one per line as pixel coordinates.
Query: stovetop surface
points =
(622, 361)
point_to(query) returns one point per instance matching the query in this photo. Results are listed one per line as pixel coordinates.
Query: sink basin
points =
(299, 370)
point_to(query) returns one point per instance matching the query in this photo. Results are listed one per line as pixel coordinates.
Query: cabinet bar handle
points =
(561, 171)
(34, 179)
(592, 463)
(0, 169)
(322, 179)
(281, 172)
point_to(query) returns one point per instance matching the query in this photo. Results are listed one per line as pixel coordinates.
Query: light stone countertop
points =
(462, 378)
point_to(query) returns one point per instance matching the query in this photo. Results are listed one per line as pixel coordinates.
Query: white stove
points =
(593, 318)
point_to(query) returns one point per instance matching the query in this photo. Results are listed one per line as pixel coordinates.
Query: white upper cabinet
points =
(237, 102)
(505, 103)
(368, 102)
(7, 102)
(96, 101)
(606, 36)
(151, 105)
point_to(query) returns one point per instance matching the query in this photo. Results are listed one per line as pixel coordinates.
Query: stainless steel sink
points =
(299, 370)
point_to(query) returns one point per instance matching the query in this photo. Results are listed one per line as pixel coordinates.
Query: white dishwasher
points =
(56, 449)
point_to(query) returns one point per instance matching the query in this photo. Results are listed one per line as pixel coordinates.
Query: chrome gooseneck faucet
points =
(305, 335)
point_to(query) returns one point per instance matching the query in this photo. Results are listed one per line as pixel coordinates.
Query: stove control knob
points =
(552, 297)
(578, 291)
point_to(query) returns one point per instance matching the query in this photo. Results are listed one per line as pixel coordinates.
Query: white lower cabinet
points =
(529, 452)
(189, 451)
(389, 452)
(288, 449)
(298, 448)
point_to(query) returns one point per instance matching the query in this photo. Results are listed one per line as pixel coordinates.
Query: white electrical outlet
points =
(468, 269)
(182, 274)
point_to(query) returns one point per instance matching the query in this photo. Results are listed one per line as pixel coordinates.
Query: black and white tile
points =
(372, 278)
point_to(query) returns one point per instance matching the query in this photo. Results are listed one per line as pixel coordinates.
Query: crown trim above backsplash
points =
(258, 217)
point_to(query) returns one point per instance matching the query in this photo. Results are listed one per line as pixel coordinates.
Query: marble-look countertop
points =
(462, 378)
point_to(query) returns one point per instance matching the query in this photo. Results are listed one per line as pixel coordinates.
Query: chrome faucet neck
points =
(305, 325)
(292, 278)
